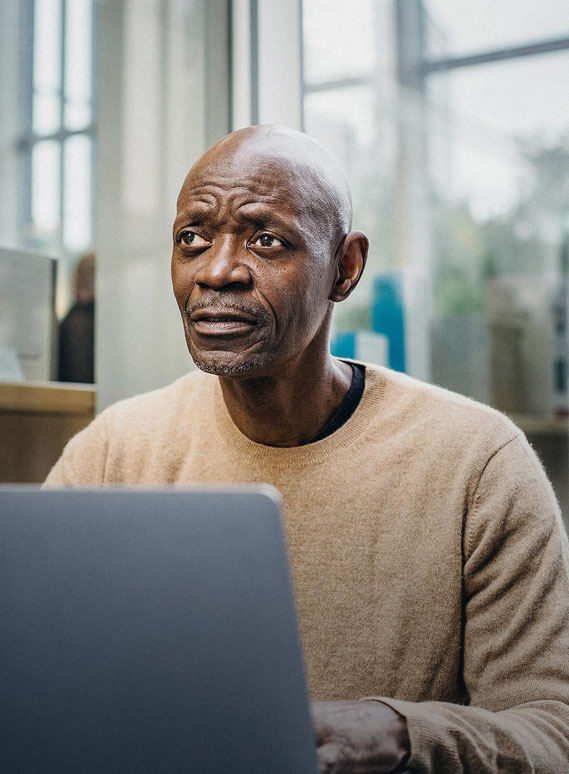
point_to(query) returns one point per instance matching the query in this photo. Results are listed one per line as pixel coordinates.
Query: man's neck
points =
(287, 410)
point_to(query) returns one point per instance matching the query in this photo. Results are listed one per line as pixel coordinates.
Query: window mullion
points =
(27, 23)
(62, 125)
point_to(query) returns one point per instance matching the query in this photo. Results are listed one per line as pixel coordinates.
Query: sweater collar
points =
(311, 453)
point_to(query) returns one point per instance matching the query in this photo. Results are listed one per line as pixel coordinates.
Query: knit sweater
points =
(430, 565)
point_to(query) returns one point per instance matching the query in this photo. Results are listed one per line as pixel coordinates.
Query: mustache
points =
(216, 305)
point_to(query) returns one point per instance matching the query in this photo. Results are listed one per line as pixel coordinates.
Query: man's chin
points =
(225, 370)
(222, 365)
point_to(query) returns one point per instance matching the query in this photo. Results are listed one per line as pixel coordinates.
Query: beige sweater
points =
(427, 551)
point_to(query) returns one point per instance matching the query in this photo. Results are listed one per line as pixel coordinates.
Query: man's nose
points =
(223, 265)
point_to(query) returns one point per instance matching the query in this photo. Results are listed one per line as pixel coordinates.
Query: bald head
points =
(286, 158)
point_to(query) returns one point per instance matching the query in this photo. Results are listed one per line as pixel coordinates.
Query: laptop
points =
(149, 631)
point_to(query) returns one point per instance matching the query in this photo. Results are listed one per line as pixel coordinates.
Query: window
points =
(450, 120)
(57, 142)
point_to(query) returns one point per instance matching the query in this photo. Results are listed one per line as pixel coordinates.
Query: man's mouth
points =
(224, 322)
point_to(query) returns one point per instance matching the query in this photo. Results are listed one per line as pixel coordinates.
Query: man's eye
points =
(267, 240)
(191, 239)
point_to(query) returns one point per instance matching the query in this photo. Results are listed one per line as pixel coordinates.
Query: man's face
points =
(252, 265)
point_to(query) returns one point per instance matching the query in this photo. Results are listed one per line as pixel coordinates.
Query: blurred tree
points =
(526, 240)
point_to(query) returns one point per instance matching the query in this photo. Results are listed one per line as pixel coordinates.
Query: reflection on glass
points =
(77, 193)
(47, 65)
(78, 63)
(45, 190)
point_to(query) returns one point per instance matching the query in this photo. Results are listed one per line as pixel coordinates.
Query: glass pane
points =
(342, 118)
(46, 158)
(47, 65)
(362, 136)
(359, 128)
(46, 111)
(500, 234)
(480, 25)
(77, 115)
(338, 44)
(77, 193)
(78, 63)
(495, 98)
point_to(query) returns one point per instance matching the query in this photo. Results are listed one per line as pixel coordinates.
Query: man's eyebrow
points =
(254, 213)
(262, 218)
(194, 214)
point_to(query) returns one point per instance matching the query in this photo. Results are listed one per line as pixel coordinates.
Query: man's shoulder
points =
(136, 439)
(440, 412)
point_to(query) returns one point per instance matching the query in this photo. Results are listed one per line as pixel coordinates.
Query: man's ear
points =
(351, 261)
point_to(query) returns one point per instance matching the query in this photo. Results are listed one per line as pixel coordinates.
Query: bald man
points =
(429, 561)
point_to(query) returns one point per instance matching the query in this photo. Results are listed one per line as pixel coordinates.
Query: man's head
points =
(84, 279)
(262, 249)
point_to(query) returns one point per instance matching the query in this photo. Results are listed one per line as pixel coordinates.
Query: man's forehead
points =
(268, 175)
(277, 165)
(257, 195)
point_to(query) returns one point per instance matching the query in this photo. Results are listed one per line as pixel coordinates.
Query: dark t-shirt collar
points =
(347, 406)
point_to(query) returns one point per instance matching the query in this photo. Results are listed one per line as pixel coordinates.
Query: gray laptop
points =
(149, 631)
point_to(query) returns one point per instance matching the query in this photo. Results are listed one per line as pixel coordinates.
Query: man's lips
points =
(223, 322)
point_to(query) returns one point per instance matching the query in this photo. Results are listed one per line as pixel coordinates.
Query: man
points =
(77, 329)
(429, 560)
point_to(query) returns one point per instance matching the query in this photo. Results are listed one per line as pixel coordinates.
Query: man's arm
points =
(516, 634)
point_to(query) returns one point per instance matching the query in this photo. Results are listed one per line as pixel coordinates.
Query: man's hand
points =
(359, 737)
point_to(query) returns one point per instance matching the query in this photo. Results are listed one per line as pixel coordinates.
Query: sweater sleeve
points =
(83, 461)
(516, 633)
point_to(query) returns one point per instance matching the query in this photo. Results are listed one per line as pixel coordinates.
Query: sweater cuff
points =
(427, 735)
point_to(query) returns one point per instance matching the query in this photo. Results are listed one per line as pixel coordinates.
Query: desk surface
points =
(47, 398)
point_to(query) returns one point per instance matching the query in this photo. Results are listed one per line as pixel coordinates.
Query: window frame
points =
(28, 139)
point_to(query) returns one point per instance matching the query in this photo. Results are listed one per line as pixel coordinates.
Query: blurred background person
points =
(77, 329)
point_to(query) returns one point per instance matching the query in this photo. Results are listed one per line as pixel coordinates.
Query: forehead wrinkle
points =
(261, 155)
(258, 189)
(307, 186)
(254, 211)
(216, 193)
(206, 192)
(310, 177)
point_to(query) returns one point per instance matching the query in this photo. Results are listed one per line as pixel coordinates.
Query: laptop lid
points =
(149, 631)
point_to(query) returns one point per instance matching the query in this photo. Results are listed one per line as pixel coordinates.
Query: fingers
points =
(323, 729)
(359, 737)
(328, 758)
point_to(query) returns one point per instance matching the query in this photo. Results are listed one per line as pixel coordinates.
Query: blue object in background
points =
(367, 346)
(344, 345)
(387, 315)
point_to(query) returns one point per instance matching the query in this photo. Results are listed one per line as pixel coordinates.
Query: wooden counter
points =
(36, 421)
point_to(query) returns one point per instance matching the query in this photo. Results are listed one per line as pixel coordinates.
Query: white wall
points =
(153, 124)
